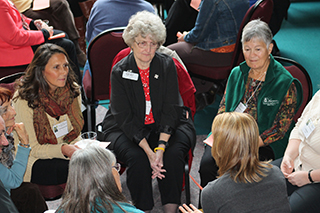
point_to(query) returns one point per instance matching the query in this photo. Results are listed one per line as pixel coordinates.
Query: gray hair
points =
(145, 23)
(257, 29)
(90, 177)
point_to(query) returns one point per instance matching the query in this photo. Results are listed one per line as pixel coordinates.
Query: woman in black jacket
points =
(149, 129)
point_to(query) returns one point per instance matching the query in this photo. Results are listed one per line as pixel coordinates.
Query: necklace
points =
(253, 83)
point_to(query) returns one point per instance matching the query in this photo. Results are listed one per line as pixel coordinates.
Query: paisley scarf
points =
(57, 104)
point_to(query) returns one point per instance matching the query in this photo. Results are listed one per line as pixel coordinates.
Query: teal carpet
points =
(298, 39)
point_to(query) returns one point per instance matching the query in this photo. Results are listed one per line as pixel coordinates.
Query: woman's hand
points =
(68, 149)
(22, 133)
(299, 178)
(184, 209)
(181, 36)
(287, 166)
(42, 25)
(157, 165)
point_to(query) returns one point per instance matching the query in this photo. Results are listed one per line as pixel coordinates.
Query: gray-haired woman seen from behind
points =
(94, 183)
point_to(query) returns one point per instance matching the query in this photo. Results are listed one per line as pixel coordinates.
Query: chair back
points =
(9, 81)
(101, 51)
(5, 71)
(300, 73)
(261, 9)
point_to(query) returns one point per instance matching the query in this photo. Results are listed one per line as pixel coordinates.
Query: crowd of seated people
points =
(151, 132)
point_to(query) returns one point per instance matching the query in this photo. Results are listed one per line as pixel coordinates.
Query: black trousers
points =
(139, 171)
(181, 17)
(50, 171)
(69, 47)
(302, 199)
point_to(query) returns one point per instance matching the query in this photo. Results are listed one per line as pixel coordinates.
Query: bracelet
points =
(163, 142)
(309, 175)
(158, 148)
(24, 145)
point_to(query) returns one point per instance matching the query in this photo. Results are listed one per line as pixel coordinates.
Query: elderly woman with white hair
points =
(149, 129)
(263, 88)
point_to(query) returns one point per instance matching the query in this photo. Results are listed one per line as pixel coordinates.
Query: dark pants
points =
(181, 17)
(28, 199)
(50, 171)
(139, 171)
(59, 16)
(302, 199)
(193, 55)
(69, 47)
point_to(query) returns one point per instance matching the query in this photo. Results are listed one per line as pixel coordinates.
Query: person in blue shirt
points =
(94, 184)
(212, 40)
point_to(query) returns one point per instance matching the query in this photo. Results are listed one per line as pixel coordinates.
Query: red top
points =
(144, 75)
(15, 41)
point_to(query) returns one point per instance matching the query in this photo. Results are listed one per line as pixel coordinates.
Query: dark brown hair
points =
(33, 80)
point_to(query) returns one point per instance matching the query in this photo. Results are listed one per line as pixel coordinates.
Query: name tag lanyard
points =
(242, 107)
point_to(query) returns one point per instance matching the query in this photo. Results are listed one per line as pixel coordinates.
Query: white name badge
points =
(241, 107)
(60, 129)
(130, 75)
(308, 128)
(148, 107)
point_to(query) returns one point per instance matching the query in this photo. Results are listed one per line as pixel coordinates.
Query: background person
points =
(148, 128)
(20, 37)
(48, 98)
(94, 183)
(59, 16)
(211, 41)
(300, 163)
(104, 16)
(263, 88)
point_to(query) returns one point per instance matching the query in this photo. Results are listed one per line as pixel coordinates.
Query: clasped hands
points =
(156, 163)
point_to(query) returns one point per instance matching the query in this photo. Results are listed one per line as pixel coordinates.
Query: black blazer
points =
(126, 113)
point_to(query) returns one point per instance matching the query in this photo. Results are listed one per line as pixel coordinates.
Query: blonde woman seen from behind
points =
(244, 183)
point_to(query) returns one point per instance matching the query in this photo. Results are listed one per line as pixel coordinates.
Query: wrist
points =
(161, 149)
(24, 145)
(309, 176)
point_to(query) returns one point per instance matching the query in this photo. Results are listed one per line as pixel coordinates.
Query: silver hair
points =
(257, 29)
(145, 23)
(90, 177)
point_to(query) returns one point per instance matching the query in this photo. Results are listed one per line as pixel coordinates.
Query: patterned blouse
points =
(284, 117)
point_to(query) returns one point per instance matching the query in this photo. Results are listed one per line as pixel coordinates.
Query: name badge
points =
(148, 107)
(308, 128)
(130, 75)
(241, 107)
(60, 129)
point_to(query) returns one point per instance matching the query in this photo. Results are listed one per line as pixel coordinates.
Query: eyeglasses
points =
(117, 166)
(144, 45)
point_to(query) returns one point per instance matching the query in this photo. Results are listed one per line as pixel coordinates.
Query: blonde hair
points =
(235, 147)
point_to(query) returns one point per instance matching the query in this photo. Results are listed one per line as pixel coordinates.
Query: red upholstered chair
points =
(300, 73)
(101, 51)
(261, 9)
